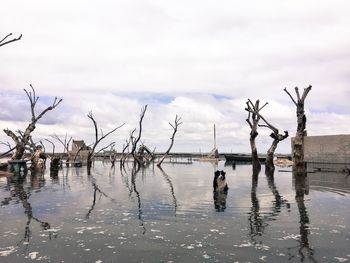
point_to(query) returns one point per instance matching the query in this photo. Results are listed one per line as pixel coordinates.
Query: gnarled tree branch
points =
(3, 41)
(176, 124)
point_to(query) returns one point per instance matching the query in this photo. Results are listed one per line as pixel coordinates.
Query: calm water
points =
(171, 216)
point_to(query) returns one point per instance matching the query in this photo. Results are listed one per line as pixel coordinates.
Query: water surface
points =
(170, 215)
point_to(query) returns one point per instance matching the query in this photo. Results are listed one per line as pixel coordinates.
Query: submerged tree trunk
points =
(98, 139)
(255, 157)
(299, 165)
(38, 159)
(253, 121)
(175, 126)
(23, 139)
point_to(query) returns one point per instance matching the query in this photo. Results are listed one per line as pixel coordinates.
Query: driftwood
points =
(6, 41)
(298, 143)
(176, 124)
(24, 138)
(253, 121)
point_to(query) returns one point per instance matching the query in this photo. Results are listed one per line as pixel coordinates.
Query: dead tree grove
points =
(24, 139)
(298, 142)
(253, 121)
(176, 124)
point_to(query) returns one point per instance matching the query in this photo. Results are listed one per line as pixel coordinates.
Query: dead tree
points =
(65, 143)
(298, 142)
(135, 140)
(55, 160)
(145, 155)
(112, 155)
(124, 155)
(98, 139)
(253, 121)
(22, 141)
(176, 124)
(5, 40)
(277, 137)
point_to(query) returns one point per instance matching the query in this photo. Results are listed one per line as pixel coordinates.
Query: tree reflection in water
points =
(19, 194)
(256, 223)
(302, 189)
(279, 200)
(132, 188)
(134, 172)
(172, 192)
(102, 193)
(258, 220)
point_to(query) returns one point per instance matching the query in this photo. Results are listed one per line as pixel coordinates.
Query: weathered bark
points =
(98, 139)
(269, 165)
(176, 124)
(4, 42)
(23, 140)
(253, 121)
(38, 159)
(299, 165)
(277, 137)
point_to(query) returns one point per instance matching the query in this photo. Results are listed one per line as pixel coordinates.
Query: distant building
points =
(79, 149)
(327, 149)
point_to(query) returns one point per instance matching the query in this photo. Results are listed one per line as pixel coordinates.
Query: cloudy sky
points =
(199, 59)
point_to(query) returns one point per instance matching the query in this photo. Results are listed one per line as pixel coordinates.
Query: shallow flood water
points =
(171, 215)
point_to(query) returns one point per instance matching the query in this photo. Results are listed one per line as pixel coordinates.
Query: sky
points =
(200, 60)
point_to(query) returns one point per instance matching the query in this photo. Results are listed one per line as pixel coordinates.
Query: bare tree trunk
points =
(269, 165)
(299, 165)
(124, 155)
(65, 145)
(23, 141)
(3, 42)
(98, 139)
(134, 141)
(176, 124)
(38, 159)
(55, 161)
(112, 156)
(253, 121)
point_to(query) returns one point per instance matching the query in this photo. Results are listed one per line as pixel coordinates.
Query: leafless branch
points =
(3, 42)
(137, 139)
(53, 146)
(175, 126)
(291, 97)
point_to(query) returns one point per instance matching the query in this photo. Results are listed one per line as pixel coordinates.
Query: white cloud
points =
(112, 57)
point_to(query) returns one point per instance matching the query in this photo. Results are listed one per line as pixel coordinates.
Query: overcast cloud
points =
(198, 59)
